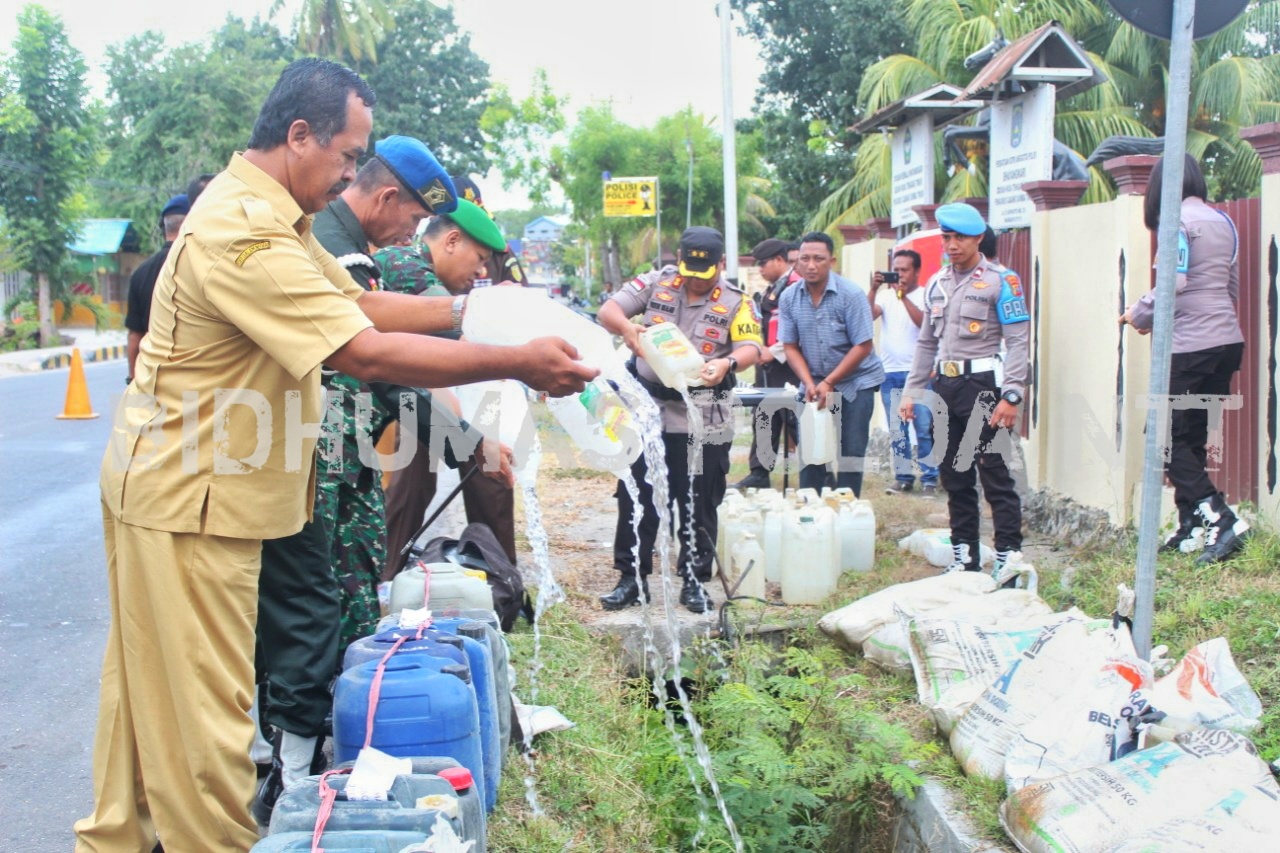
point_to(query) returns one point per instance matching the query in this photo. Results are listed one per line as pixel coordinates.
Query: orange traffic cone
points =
(77, 406)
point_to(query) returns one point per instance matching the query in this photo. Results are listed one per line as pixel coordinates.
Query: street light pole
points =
(730, 152)
(1175, 134)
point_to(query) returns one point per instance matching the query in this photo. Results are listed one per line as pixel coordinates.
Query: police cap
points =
(767, 250)
(961, 218)
(468, 189)
(177, 204)
(701, 249)
(419, 171)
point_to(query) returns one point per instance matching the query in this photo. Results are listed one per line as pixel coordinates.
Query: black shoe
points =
(1225, 532)
(264, 802)
(625, 594)
(757, 479)
(1185, 538)
(900, 488)
(694, 597)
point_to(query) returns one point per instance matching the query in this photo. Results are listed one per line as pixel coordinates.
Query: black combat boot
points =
(1224, 531)
(694, 597)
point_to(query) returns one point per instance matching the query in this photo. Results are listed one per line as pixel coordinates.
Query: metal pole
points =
(688, 203)
(730, 152)
(1175, 134)
(657, 212)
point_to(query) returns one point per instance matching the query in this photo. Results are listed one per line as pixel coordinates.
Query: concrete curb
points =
(934, 822)
(63, 359)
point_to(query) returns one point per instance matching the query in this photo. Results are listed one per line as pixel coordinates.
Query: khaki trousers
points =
(171, 754)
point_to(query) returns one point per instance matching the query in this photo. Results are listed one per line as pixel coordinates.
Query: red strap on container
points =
(327, 797)
(376, 687)
(426, 583)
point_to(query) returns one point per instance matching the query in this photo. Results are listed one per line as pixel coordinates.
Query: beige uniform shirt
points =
(217, 433)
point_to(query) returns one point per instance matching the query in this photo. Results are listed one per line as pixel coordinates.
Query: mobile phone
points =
(889, 277)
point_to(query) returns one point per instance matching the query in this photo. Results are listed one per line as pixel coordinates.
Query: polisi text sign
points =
(631, 197)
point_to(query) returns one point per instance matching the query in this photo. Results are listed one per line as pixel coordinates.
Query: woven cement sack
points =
(1080, 729)
(1244, 820)
(1097, 809)
(887, 647)
(1034, 683)
(1207, 690)
(954, 661)
(852, 624)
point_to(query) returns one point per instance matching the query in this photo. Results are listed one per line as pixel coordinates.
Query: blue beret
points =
(962, 219)
(177, 204)
(420, 172)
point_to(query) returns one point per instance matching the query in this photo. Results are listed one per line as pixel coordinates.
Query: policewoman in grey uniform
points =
(970, 307)
(720, 320)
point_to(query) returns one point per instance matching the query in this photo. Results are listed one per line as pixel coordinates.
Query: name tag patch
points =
(251, 250)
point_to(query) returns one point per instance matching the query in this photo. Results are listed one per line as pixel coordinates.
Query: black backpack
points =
(478, 548)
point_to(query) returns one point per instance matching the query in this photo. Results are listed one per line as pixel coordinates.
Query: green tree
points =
(346, 30)
(520, 136)
(173, 114)
(431, 85)
(1235, 83)
(48, 146)
(815, 55)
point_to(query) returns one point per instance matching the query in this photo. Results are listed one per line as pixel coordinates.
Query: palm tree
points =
(349, 30)
(1235, 83)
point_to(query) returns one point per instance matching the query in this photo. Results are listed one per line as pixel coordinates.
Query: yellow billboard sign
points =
(631, 197)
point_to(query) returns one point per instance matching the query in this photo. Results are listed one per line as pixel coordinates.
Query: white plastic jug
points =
(772, 541)
(728, 513)
(600, 425)
(747, 553)
(807, 550)
(509, 316)
(857, 528)
(451, 587)
(672, 356)
(817, 435)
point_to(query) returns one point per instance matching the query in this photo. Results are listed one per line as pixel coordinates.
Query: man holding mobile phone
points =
(900, 310)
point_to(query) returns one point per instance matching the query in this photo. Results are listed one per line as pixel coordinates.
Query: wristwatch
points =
(456, 311)
(733, 364)
(1013, 398)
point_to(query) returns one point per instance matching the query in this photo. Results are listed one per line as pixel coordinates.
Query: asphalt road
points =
(53, 603)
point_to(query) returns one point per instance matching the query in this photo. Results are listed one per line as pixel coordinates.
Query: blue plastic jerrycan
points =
(475, 644)
(443, 644)
(426, 707)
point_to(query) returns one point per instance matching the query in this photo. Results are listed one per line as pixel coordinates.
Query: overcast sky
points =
(650, 58)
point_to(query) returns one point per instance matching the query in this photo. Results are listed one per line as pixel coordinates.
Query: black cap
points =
(769, 249)
(701, 249)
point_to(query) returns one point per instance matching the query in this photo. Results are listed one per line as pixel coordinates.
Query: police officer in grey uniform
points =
(970, 307)
(721, 321)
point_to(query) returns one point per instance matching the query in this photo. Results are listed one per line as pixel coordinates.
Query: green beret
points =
(478, 225)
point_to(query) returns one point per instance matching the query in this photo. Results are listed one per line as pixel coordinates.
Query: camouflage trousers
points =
(355, 517)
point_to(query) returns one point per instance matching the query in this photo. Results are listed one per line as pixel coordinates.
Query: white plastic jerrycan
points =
(510, 316)
(600, 424)
(817, 435)
(747, 569)
(856, 526)
(452, 587)
(672, 356)
(500, 410)
(772, 542)
(806, 562)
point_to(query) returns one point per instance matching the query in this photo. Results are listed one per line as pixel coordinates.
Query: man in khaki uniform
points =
(969, 308)
(721, 322)
(213, 451)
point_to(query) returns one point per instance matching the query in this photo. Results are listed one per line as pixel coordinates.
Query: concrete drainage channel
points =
(933, 822)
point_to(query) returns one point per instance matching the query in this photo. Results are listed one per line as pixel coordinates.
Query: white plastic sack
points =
(1245, 820)
(1096, 809)
(1033, 684)
(1206, 690)
(887, 647)
(934, 544)
(855, 622)
(1079, 730)
(954, 661)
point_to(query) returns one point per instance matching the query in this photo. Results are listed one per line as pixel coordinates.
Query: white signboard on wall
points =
(912, 169)
(1021, 152)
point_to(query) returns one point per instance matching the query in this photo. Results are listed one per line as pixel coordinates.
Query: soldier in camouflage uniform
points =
(465, 242)
(304, 622)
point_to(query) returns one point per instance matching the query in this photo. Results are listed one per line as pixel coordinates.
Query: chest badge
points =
(707, 348)
(665, 296)
(975, 327)
(719, 309)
